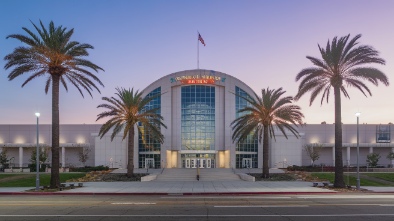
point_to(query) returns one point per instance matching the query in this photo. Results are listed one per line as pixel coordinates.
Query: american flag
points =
(200, 39)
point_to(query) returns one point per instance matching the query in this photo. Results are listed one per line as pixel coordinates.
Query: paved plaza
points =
(195, 187)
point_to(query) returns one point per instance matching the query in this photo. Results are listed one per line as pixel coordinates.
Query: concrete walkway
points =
(192, 187)
(186, 188)
(199, 187)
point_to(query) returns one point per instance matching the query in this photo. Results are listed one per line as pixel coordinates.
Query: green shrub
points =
(315, 168)
(373, 159)
(88, 168)
(33, 167)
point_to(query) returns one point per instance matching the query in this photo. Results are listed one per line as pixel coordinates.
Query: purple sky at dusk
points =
(262, 43)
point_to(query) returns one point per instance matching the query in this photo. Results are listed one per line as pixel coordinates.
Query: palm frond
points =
(340, 67)
(126, 110)
(50, 50)
(269, 109)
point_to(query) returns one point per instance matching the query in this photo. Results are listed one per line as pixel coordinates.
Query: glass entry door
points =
(187, 164)
(209, 161)
(149, 162)
(198, 163)
(198, 160)
(246, 162)
(193, 163)
(202, 163)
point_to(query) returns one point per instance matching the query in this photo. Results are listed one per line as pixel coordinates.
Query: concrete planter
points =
(61, 170)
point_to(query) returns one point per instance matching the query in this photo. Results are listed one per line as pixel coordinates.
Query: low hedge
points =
(311, 168)
(42, 167)
(88, 168)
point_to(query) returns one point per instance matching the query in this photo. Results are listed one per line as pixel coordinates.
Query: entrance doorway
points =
(149, 162)
(198, 162)
(246, 162)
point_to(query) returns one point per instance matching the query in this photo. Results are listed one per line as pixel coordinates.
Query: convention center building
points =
(198, 107)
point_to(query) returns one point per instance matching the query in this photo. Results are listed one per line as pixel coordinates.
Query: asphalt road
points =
(247, 207)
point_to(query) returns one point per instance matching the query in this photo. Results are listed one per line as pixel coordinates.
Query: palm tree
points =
(260, 117)
(125, 113)
(341, 65)
(53, 55)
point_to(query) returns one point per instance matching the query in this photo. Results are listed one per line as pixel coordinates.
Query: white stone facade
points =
(19, 140)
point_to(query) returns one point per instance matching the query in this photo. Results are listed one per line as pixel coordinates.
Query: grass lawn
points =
(383, 176)
(6, 175)
(29, 180)
(352, 180)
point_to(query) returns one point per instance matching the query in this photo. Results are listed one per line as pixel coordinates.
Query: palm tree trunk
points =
(55, 176)
(266, 170)
(338, 181)
(130, 153)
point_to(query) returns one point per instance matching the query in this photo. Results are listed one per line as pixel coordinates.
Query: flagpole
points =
(198, 52)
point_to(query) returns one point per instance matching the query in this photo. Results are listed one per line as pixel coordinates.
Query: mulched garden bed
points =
(115, 177)
(273, 177)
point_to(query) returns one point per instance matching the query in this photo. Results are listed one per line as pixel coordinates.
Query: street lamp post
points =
(37, 158)
(358, 153)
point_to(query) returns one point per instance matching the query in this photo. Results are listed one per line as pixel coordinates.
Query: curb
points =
(163, 194)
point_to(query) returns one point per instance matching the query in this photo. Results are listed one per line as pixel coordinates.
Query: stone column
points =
(333, 156)
(63, 157)
(370, 149)
(20, 157)
(348, 156)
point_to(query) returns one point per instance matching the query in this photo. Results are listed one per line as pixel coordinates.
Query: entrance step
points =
(183, 174)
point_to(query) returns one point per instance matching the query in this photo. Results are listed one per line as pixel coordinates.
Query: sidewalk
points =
(186, 188)
(190, 187)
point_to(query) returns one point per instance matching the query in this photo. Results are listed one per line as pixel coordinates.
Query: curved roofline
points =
(191, 70)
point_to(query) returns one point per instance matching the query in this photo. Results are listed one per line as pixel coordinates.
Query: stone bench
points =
(246, 177)
(71, 185)
(324, 183)
(148, 177)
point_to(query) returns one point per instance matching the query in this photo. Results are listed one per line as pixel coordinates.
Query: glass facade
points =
(145, 142)
(198, 117)
(246, 161)
(250, 145)
(153, 162)
(383, 134)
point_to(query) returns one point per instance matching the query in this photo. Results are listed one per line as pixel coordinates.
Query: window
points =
(148, 143)
(383, 134)
(198, 117)
(142, 161)
(249, 145)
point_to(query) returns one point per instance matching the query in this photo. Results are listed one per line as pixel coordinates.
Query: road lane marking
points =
(262, 206)
(133, 203)
(348, 197)
(218, 197)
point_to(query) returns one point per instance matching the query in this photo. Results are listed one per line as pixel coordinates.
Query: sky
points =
(261, 42)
